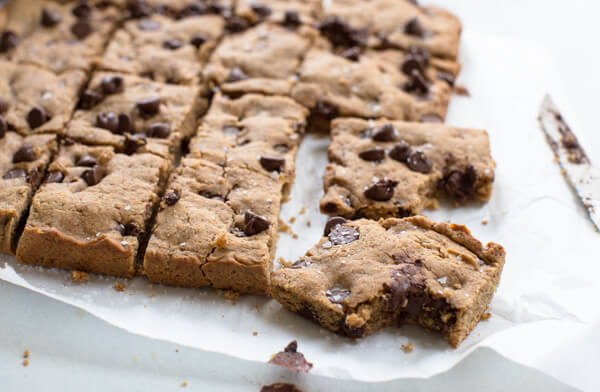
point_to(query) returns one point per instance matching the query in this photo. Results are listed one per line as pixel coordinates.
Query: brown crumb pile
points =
(408, 348)
(119, 287)
(231, 295)
(486, 316)
(79, 276)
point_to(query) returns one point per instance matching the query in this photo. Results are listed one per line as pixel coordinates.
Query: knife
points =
(576, 166)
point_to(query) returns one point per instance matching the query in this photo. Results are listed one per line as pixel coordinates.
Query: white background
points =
(72, 350)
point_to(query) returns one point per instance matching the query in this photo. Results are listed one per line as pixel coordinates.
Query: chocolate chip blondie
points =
(396, 169)
(23, 162)
(364, 275)
(92, 211)
(163, 49)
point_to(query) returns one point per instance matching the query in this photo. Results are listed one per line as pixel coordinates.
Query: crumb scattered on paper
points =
(292, 219)
(302, 211)
(308, 223)
(26, 354)
(295, 236)
(184, 384)
(291, 358)
(486, 316)
(280, 387)
(231, 295)
(408, 348)
(284, 227)
(119, 287)
(26, 362)
(79, 276)
(283, 262)
(462, 90)
(153, 294)
(254, 333)
(484, 222)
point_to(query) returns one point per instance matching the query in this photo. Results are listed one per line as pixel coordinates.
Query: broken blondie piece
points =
(396, 169)
(364, 275)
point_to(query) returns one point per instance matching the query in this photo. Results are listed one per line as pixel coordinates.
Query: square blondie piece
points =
(23, 163)
(408, 86)
(263, 59)
(55, 36)
(34, 100)
(398, 24)
(396, 169)
(289, 13)
(132, 113)
(92, 212)
(163, 49)
(217, 227)
(365, 275)
(255, 132)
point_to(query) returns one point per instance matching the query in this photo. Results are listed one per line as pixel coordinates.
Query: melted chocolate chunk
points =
(236, 24)
(291, 19)
(172, 197)
(416, 83)
(132, 229)
(81, 29)
(25, 154)
(272, 163)
(400, 152)
(93, 176)
(384, 133)
(198, 40)
(125, 123)
(280, 387)
(50, 18)
(326, 110)
(112, 85)
(54, 177)
(341, 33)
(139, 8)
(14, 173)
(332, 223)
(261, 10)
(86, 161)
(382, 190)
(158, 130)
(148, 107)
(342, 235)
(352, 54)
(3, 105)
(82, 11)
(172, 44)
(411, 63)
(37, 117)
(8, 41)
(193, 9)
(376, 154)
(291, 359)
(414, 28)
(133, 142)
(254, 224)
(419, 162)
(89, 99)
(460, 184)
(120, 228)
(337, 295)
(108, 121)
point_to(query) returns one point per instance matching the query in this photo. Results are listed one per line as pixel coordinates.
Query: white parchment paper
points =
(546, 313)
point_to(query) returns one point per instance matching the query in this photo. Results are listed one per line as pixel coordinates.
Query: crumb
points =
(486, 316)
(176, 350)
(291, 358)
(302, 211)
(221, 241)
(79, 276)
(457, 285)
(119, 287)
(292, 219)
(284, 228)
(563, 172)
(462, 90)
(254, 333)
(231, 295)
(26, 354)
(555, 160)
(408, 348)
(26, 362)
(295, 236)
(153, 294)
(308, 223)
(184, 384)
(484, 222)
(284, 262)
(279, 387)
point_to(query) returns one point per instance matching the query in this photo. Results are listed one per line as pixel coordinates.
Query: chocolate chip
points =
(419, 162)
(148, 25)
(172, 44)
(342, 34)
(431, 118)
(139, 8)
(25, 154)
(461, 184)
(54, 177)
(121, 229)
(417, 83)
(193, 9)
(400, 152)
(326, 110)
(172, 197)
(398, 291)
(14, 173)
(82, 11)
(301, 264)
(446, 77)
(8, 41)
(236, 75)
(382, 190)
(50, 18)
(373, 154)
(93, 176)
(3, 127)
(254, 224)
(133, 142)
(158, 130)
(81, 29)
(291, 19)
(125, 123)
(384, 133)
(342, 235)
(291, 359)
(414, 28)
(86, 161)
(149, 107)
(198, 40)
(235, 24)
(37, 117)
(352, 54)
(89, 99)
(108, 121)
(337, 295)
(132, 229)
(261, 10)
(332, 223)
(220, 9)
(272, 163)
(3, 105)
(112, 85)
(410, 63)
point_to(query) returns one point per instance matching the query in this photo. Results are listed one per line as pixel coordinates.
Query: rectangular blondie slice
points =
(34, 100)
(217, 227)
(396, 169)
(23, 163)
(132, 113)
(163, 49)
(93, 210)
(365, 275)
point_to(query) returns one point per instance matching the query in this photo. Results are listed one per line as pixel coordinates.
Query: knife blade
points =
(576, 166)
